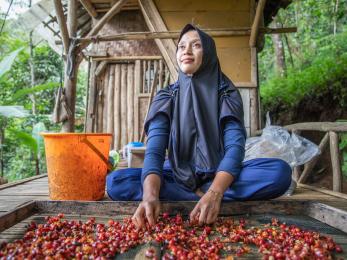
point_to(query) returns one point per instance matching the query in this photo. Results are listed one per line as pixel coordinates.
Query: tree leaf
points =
(6, 63)
(19, 94)
(27, 140)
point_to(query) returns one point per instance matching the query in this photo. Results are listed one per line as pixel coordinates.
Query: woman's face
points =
(189, 52)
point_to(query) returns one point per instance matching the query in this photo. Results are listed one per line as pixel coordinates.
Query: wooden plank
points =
(123, 101)
(89, 7)
(310, 165)
(117, 108)
(155, 23)
(130, 103)
(100, 105)
(110, 102)
(137, 87)
(255, 26)
(327, 214)
(335, 161)
(15, 183)
(62, 24)
(144, 74)
(13, 217)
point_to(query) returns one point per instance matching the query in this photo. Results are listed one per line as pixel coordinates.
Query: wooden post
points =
(110, 101)
(70, 82)
(105, 79)
(335, 161)
(297, 169)
(123, 101)
(137, 88)
(62, 24)
(117, 108)
(255, 26)
(310, 165)
(155, 23)
(91, 99)
(130, 103)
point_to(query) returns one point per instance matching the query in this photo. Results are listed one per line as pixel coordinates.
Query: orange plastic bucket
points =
(76, 165)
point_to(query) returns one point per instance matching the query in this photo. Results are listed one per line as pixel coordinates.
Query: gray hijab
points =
(196, 106)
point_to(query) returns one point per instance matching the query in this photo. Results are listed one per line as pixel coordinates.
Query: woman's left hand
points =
(207, 209)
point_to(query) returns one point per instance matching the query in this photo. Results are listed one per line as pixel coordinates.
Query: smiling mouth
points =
(188, 61)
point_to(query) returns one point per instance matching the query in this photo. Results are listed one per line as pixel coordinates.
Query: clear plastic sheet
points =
(277, 142)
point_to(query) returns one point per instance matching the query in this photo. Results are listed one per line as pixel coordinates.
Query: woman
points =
(200, 120)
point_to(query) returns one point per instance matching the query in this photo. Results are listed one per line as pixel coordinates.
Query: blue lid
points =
(136, 144)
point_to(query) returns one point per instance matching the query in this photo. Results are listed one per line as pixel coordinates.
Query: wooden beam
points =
(255, 26)
(72, 17)
(335, 161)
(95, 30)
(127, 58)
(62, 24)
(325, 191)
(310, 165)
(89, 7)
(319, 126)
(175, 34)
(112, 12)
(155, 23)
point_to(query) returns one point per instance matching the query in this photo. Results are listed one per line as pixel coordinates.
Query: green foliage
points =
(27, 140)
(343, 149)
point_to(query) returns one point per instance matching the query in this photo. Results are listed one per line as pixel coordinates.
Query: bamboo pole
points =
(105, 79)
(161, 74)
(117, 107)
(175, 34)
(255, 26)
(91, 99)
(100, 106)
(137, 87)
(130, 103)
(144, 73)
(335, 161)
(101, 67)
(154, 83)
(110, 101)
(126, 58)
(89, 7)
(123, 101)
(62, 24)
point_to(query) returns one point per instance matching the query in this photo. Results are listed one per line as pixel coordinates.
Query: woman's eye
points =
(197, 45)
(181, 47)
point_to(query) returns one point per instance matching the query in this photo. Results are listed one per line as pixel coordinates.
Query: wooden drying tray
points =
(334, 217)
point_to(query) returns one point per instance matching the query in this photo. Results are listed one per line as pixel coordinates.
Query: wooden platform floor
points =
(36, 188)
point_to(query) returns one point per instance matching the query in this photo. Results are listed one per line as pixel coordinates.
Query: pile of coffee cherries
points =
(59, 238)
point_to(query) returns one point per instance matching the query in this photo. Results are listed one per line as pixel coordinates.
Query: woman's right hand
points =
(148, 209)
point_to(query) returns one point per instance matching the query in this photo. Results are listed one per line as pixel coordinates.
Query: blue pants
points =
(260, 179)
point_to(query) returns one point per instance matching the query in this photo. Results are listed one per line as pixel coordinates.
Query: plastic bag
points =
(277, 142)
